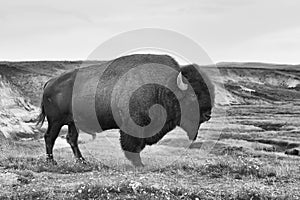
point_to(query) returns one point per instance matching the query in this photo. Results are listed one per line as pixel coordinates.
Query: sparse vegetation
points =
(40, 165)
(227, 176)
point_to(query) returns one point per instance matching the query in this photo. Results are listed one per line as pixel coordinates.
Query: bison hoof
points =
(81, 161)
(51, 161)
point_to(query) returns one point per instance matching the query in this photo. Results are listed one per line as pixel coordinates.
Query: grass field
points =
(237, 156)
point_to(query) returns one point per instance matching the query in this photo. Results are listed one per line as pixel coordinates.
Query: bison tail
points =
(41, 117)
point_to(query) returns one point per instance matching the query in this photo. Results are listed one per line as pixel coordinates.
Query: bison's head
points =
(194, 88)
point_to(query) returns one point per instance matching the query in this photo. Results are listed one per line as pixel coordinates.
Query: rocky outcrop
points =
(17, 114)
(257, 83)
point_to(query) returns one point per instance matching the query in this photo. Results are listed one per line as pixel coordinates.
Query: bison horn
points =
(180, 83)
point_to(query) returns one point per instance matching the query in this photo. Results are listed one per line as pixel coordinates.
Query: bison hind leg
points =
(50, 137)
(72, 139)
(132, 146)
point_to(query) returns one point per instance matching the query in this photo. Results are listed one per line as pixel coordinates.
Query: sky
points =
(228, 30)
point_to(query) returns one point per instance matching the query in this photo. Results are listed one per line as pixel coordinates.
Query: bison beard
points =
(139, 105)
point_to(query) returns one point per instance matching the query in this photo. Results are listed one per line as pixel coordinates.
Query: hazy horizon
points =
(230, 31)
(220, 62)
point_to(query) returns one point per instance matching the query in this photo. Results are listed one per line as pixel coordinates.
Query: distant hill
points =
(30, 76)
(258, 65)
(255, 83)
(21, 87)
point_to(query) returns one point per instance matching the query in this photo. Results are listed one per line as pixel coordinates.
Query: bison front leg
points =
(72, 139)
(132, 146)
(50, 137)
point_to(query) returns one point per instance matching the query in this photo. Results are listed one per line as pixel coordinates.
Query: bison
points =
(58, 95)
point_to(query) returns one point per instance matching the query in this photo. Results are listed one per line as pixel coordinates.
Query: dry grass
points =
(215, 177)
(235, 168)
